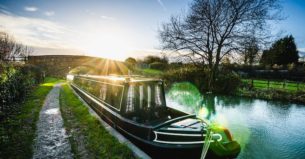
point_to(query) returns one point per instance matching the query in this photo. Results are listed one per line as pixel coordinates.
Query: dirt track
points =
(51, 140)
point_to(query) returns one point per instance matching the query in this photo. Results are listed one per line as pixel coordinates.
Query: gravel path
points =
(51, 140)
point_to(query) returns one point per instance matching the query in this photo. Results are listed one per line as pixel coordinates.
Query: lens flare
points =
(221, 120)
(203, 113)
(70, 77)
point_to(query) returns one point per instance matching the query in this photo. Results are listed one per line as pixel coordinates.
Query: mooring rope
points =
(207, 142)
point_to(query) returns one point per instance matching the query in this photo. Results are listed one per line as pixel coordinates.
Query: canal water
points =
(265, 129)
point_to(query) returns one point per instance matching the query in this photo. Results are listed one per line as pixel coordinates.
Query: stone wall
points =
(60, 65)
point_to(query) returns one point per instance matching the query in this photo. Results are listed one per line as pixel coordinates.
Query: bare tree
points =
(6, 45)
(10, 49)
(250, 52)
(213, 29)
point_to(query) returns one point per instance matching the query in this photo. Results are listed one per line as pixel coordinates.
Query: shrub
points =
(191, 74)
(157, 65)
(226, 82)
(15, 81)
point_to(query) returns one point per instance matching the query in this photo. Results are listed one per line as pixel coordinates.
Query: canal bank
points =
(136, 151)
(88, 137)
(17, 132)
(273, 94)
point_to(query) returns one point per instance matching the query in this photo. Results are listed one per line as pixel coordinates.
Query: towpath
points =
(51, 140)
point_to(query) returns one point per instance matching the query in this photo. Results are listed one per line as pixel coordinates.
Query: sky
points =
(113, 29)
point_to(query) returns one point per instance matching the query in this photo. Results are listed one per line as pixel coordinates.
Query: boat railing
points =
(207, 143)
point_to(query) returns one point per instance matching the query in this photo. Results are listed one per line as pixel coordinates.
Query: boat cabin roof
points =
(122, 78)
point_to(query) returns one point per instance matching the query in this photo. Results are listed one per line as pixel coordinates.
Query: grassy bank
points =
(18, 130)
(273, 90)
(274, 94)
(289, 86)
(148, 72)
(88, 138)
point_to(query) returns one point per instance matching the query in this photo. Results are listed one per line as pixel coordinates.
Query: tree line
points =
(214, 32)
(214, 29)
(10, 49)
(16, 79)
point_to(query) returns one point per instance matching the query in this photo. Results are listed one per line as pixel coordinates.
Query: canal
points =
(265, 129)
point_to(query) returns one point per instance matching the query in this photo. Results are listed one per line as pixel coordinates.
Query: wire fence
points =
(271, 84)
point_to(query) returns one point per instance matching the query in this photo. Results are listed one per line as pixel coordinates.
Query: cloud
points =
(30, 8)
(3, 7)
(48, 37)
(5, 11)
(301, 49)
(37, 32)
(107, 17)
(162, 5)
(49, 13)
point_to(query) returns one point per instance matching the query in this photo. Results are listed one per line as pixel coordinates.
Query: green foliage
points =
(87, 135)
(261, 84)
(275, 94)
(152, 59)
(131, 63)
(273, 90)
(148, 72)
(15, 81)
(158, 65)
(187, 74)
(282, 52)
(226, 82)
(17, 130)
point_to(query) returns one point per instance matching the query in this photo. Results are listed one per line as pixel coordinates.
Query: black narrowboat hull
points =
(142, 135)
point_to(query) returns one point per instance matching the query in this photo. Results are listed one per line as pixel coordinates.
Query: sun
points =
(107, 42)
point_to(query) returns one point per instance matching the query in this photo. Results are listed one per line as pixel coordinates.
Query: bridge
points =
(61, 65)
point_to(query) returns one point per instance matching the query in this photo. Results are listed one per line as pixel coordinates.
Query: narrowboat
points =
(136, 107)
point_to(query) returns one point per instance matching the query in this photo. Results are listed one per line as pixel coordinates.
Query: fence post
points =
(268, 83)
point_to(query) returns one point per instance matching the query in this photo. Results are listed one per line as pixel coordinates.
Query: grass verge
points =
(273, 90)
(288, 86)
(148, 72)
(88, 138)
(18, 131)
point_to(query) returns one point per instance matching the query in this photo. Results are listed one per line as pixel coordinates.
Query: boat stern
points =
(227, 146)
(191, 133)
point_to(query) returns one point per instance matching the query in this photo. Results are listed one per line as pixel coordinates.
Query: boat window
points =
(103, 92)
(158, 96)
(108, 93)
(148, 96)
(113, 95)
(143, 97)
(94, 88)
(141, 89)
(130, 99)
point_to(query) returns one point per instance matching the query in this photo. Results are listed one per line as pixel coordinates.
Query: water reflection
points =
(264, 129)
